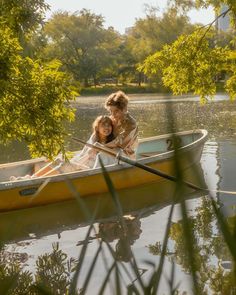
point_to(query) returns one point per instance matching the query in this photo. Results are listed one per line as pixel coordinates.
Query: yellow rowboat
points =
(156, 152)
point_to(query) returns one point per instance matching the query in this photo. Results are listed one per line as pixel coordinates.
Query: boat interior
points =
(154, 146)
(147, 147)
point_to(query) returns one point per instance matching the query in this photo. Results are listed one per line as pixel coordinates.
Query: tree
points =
(192, 62)
(23, 17)
(34, 96)
(151, 33)
(188, 65)
(81, 42)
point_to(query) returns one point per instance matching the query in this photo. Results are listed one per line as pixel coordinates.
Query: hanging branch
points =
(223, 14)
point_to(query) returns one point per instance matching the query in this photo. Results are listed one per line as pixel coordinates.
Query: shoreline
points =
(149, 98)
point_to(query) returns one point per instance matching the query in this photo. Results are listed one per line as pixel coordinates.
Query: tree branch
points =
(223, 14)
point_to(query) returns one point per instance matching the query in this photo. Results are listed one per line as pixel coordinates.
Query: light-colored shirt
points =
(126, 135)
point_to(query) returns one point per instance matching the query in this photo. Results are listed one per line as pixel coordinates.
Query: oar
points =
(136, 164)
(145, 167)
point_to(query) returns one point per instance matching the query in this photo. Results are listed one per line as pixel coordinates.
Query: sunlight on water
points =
(210, 164)
(32, 232)
(146, 229)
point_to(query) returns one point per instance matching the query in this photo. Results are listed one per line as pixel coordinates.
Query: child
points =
(102, 133)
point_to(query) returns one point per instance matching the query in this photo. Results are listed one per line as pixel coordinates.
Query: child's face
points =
(104, 129)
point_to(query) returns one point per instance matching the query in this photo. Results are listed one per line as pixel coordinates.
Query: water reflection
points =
(217, 117)
(211, 252)
(226, 156)
(210, 165)
(125, 233)
(52, 274)
(32, 231)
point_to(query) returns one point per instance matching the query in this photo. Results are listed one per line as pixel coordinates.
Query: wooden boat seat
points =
(38, 166)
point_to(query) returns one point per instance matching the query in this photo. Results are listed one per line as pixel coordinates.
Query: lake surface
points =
(30, 233)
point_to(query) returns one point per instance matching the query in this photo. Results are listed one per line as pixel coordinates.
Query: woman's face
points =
(116, 113)
(104, 129)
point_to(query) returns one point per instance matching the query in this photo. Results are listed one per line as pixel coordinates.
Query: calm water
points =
(29, 233)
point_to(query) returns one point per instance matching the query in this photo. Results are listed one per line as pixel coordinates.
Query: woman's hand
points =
(114, 121)
(111, 145)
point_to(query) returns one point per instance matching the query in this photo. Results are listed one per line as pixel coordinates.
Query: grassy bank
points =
(132, 89)
(129, 89)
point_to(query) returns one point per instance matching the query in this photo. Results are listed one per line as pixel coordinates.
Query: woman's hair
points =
(102, 120)
(118, 99)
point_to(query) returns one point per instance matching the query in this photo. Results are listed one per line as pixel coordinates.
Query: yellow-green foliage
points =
(34, 99)
(230, 85)
(190, 64)
(9, 48)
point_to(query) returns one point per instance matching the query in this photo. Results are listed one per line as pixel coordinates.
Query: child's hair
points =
(118, 99)
(102, 120)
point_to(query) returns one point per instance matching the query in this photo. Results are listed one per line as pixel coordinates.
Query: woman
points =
(125, 128)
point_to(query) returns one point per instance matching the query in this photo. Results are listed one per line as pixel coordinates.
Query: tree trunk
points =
(95, 81)
(86, 84)
(139, 78)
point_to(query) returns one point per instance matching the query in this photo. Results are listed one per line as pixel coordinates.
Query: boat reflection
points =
(139, 202)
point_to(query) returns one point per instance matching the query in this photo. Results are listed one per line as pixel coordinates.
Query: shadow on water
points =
(139, 201)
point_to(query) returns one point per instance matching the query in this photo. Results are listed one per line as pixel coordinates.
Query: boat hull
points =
(41, 191)
(139, 201)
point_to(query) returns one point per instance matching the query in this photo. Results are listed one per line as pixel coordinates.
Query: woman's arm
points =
(129, 133)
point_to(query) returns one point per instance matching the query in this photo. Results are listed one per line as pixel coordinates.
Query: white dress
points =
(83, 160)
(105, 158)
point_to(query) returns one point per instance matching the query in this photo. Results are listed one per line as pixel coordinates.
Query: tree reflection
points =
(210, 250)
(54, 271)
(52, 276)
